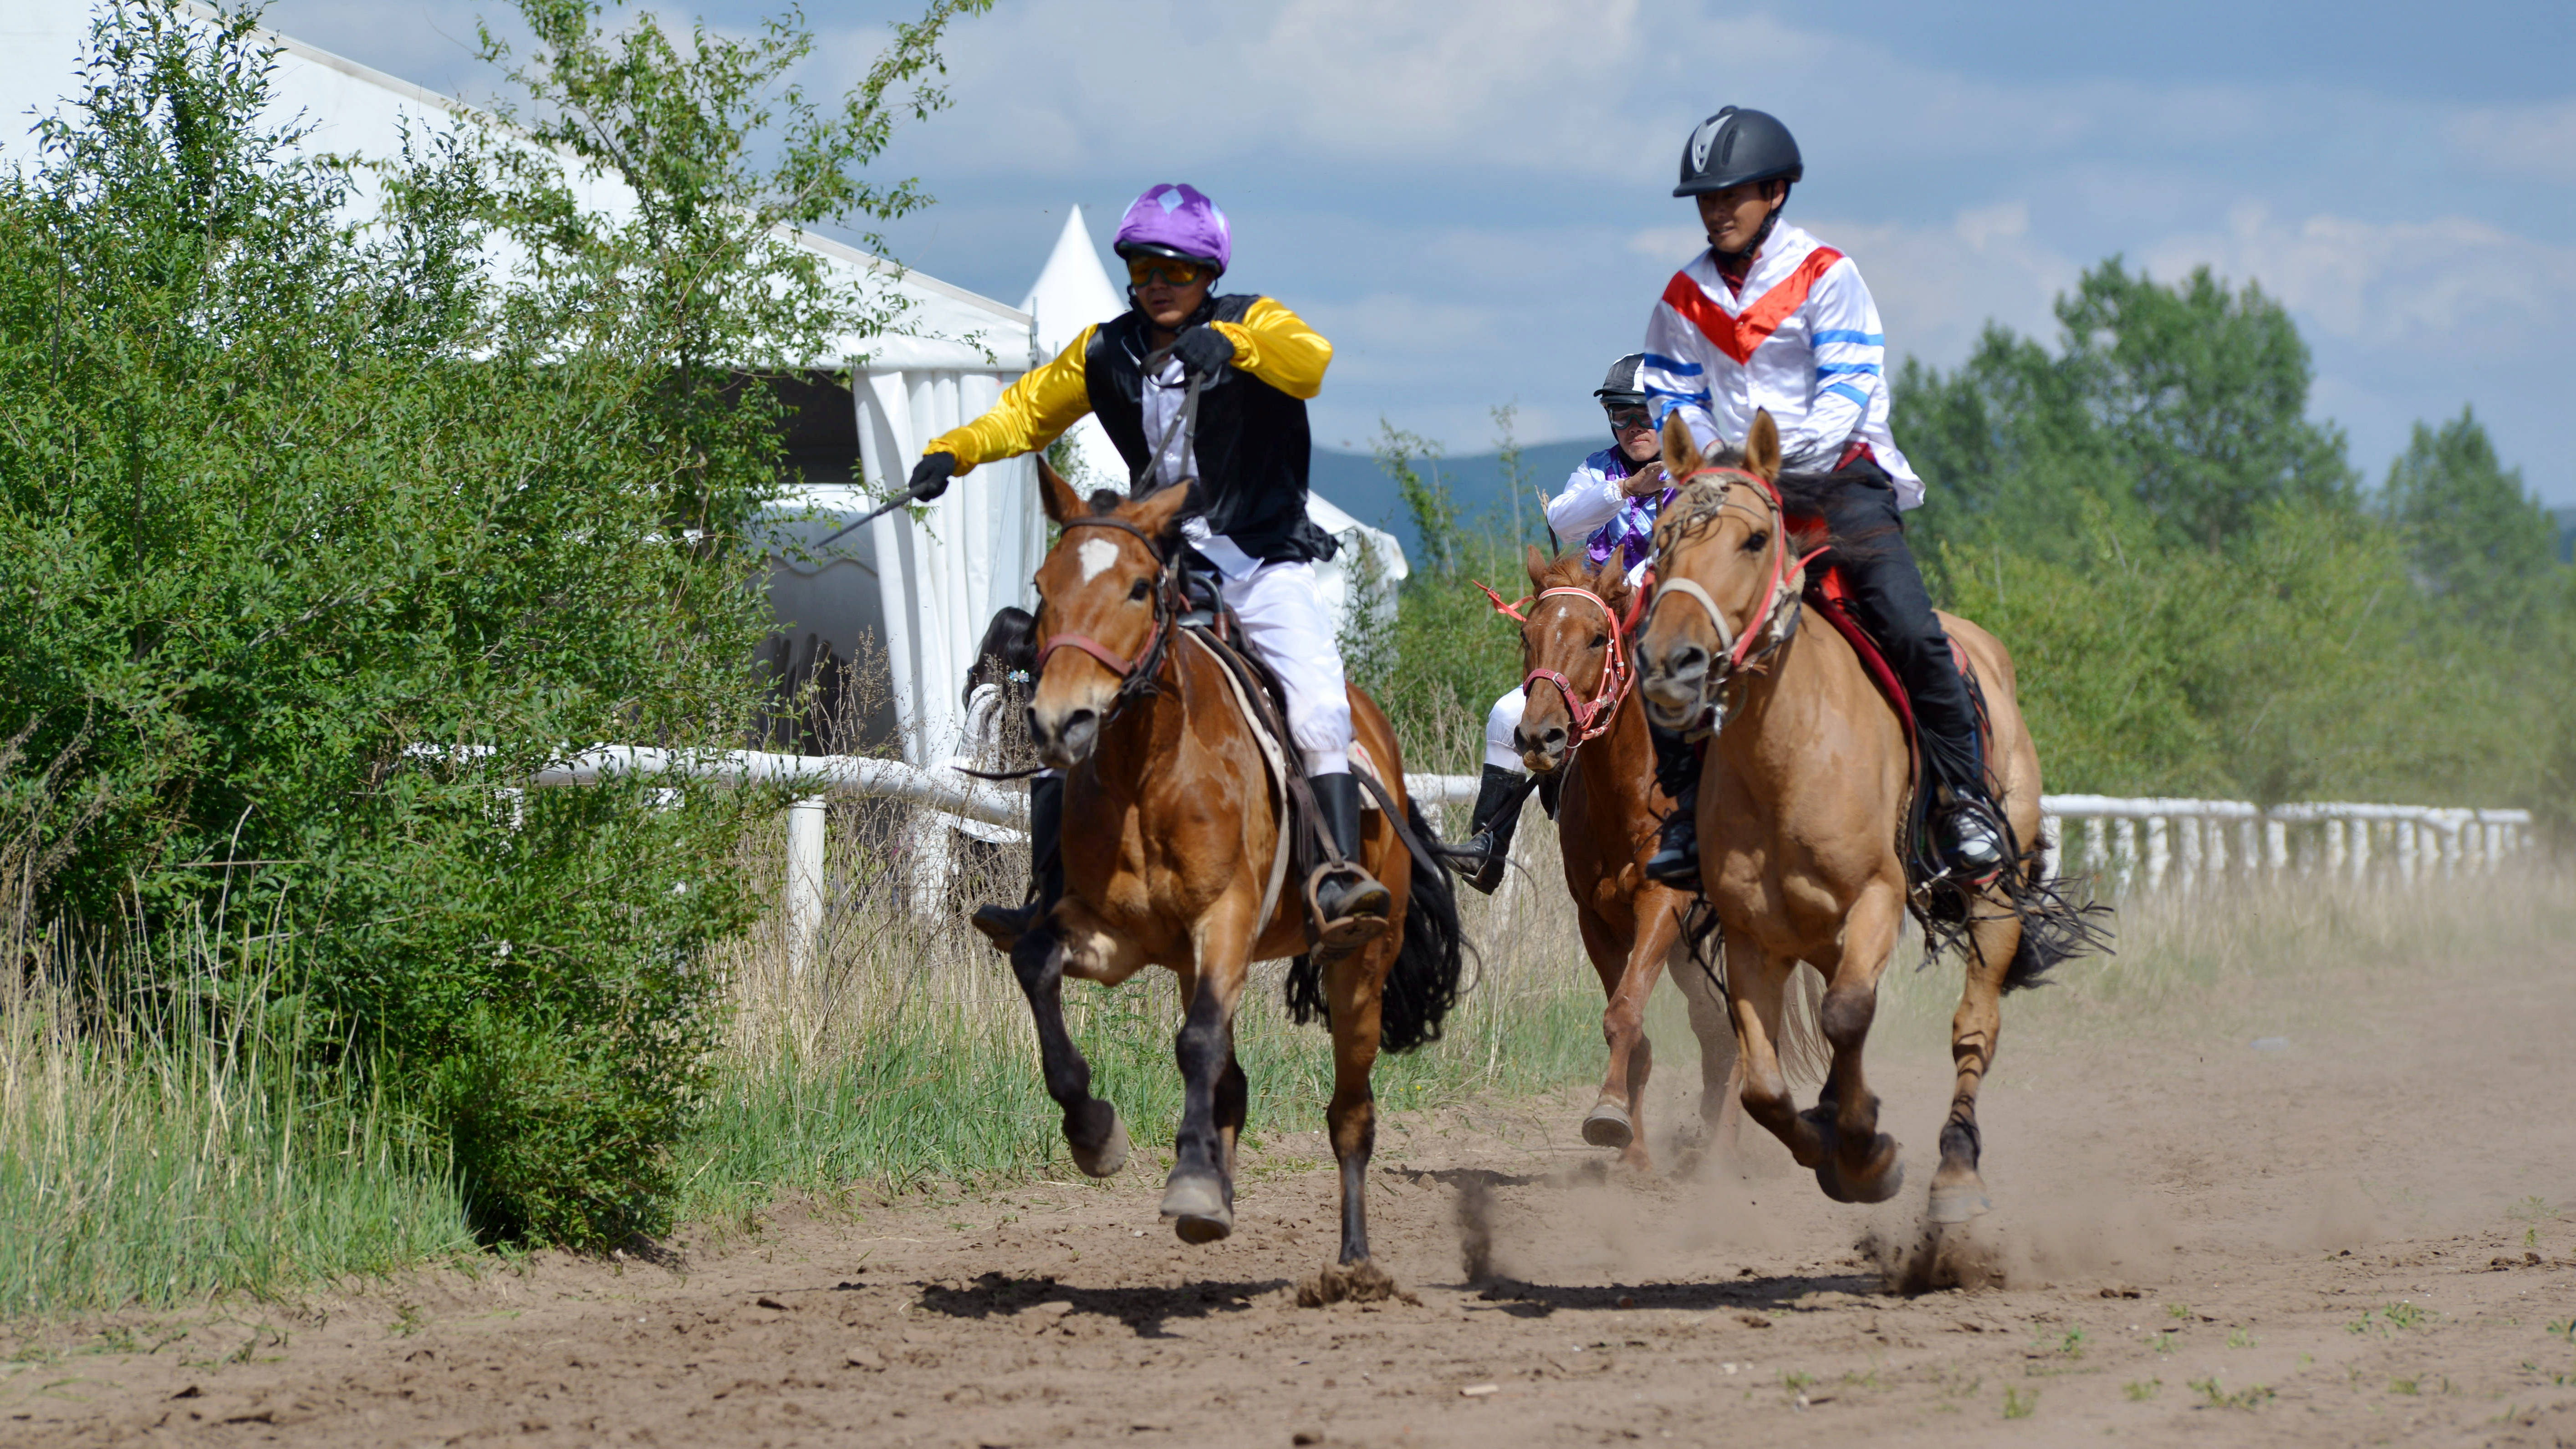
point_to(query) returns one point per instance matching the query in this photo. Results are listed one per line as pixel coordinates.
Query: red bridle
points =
(1591, 717)
(1739, 649)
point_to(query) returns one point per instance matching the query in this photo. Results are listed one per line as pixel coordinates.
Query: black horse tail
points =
(1423, 985)
(2055, 927)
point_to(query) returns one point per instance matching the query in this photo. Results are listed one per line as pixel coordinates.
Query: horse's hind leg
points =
(1091, 1127)
(1354, 989)
(1958, 1192)
(1721, 1066)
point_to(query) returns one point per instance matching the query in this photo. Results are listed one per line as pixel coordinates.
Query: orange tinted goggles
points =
(1170, 271)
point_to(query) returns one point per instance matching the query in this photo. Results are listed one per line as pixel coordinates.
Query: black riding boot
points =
(1348, 892)
(1887, 593)
(1004, 925)
(1676, 859)
(1498, 814)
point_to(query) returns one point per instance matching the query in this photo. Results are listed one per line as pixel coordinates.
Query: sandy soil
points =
(2330, 1238)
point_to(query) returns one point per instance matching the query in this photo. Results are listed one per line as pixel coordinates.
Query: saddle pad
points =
(1274, 763)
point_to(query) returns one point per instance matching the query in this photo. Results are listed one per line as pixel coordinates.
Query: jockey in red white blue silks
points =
(1771, 318)
(1610, 502)
(1246, 457)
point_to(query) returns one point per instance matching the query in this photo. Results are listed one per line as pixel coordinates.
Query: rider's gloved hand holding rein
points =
(1203, 350)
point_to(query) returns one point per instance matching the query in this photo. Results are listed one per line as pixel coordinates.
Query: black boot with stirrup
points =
(1350, 905)
(1486, 851)
(1005, 925)
(1675, 862)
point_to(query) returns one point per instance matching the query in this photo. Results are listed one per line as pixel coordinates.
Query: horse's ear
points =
(1762, 448)
(1062, 503)
(1158, 512)
(1537, 566)
(1681, 455)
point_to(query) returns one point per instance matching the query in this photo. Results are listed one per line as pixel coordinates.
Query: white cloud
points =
(2535, 140)
(2456, 284)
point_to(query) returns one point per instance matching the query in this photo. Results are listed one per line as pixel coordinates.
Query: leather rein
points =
(1776, 618)
(1592, 717)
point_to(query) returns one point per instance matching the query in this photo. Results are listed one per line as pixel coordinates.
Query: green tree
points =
(2473, 534)
(727, 163)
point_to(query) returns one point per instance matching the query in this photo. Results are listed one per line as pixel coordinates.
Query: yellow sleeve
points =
(1275, 345)
(1033, 412)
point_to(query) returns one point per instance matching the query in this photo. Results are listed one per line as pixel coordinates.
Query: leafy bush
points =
(318, 538)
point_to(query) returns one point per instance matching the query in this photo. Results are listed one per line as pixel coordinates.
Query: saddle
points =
(1829, 594)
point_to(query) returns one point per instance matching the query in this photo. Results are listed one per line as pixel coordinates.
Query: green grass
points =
(175, 1167)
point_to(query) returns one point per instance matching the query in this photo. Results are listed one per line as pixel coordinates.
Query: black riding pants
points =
(1887, 594)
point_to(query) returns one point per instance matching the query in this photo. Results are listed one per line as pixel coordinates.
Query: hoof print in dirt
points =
(1360, 1282)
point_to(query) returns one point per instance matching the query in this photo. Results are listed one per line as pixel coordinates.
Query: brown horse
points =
(1171, 835)
(1801, 806)
(1575, 636)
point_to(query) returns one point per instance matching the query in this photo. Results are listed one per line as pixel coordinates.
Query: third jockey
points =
(1246, 455)
(1771, 318)
(1610, 502)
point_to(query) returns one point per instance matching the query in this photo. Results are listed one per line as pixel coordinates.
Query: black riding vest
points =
(1251, 440)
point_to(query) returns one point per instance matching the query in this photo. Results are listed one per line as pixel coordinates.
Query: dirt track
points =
(2171, 1207)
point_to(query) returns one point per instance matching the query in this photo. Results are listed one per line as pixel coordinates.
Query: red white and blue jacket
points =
(1800, 338)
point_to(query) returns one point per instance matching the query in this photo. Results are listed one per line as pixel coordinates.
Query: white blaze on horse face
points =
(1097, 554)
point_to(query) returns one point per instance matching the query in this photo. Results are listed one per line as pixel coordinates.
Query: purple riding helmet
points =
(1176, 220)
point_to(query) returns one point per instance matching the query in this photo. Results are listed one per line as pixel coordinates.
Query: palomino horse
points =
(1801, 806)
(1171, 834)
(1575, 636)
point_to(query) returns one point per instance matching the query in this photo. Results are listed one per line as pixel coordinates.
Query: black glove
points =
(1203, 349)
(930, 476)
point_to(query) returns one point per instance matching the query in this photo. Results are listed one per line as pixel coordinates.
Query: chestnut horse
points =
(1171, 829)
(1802, 802)
(1576, 632)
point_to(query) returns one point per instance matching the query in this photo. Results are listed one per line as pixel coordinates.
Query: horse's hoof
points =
(1099, 1151)
(1884, 1179)
(1199, 1206)
(1959, 1201)
(1608, 1126)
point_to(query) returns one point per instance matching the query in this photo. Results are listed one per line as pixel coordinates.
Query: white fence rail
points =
(2127, 845)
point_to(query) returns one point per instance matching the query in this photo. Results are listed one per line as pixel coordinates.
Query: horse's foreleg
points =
(1091, 1128)
(1199, 1196)
(1863, 1166)
(1958, 1192)
(1354, 990)
(1623, 1026)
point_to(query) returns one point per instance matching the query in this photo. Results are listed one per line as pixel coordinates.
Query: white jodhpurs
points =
(1286, 623)
(1501, 750)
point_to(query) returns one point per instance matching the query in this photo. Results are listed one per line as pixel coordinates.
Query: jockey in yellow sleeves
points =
(1245, 455)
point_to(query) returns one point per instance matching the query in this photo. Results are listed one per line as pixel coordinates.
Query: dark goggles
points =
(1625, 417)
(1170, 271)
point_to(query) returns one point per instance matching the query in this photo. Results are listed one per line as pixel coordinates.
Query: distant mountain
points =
(1356, 483)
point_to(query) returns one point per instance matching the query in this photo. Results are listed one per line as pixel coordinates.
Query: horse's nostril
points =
(1037, 727)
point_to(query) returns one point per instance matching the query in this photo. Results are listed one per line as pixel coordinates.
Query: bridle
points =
(1592, 717)
(1135, 676)
(1773, 622)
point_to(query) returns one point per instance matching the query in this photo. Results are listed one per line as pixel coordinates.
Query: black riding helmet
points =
(1621, 389)
(1736, 146)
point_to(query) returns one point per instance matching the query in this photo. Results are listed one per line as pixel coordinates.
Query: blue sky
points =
(1471, 199)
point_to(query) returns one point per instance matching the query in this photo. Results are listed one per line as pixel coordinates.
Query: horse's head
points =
(1101, 610)
(1571, 638)
(1720, 572)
